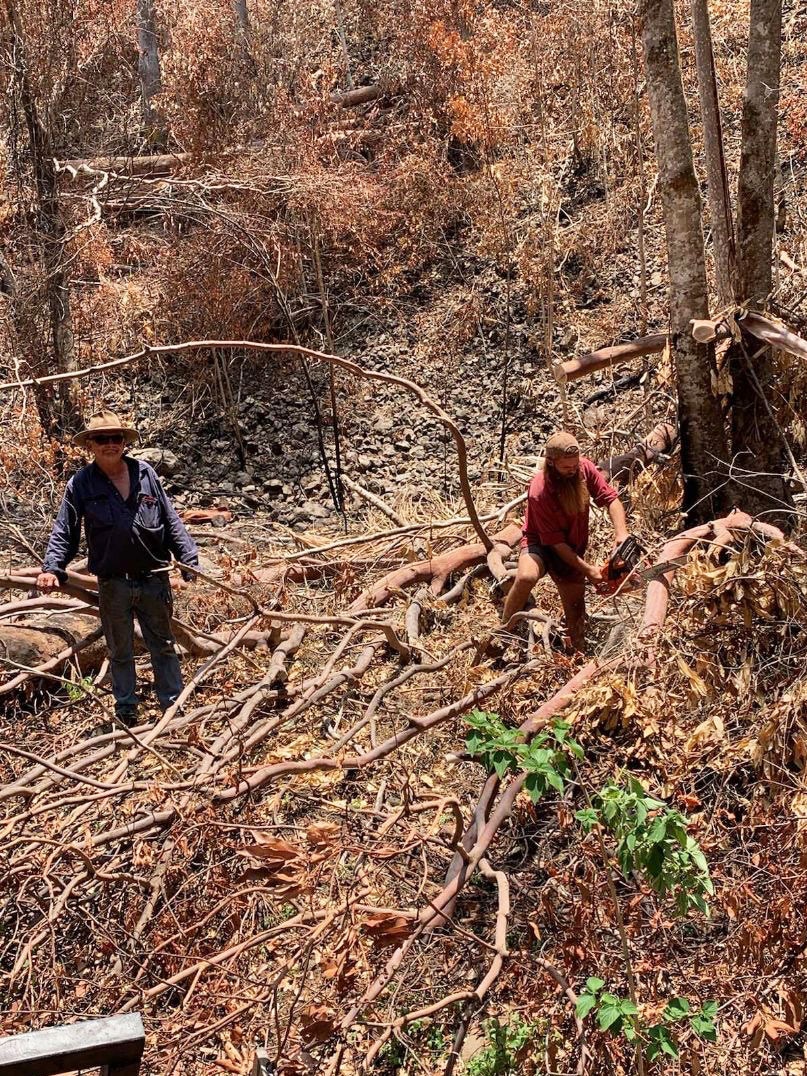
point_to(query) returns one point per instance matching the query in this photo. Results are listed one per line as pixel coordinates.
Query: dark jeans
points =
(120, 601)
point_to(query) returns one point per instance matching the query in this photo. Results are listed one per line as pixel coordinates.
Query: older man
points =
(132, 531)
(555, 533)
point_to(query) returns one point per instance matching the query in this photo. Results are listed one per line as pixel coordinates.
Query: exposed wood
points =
(613, 355)
(624, 468)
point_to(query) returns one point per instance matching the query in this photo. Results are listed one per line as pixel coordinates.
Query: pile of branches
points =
(303, 854)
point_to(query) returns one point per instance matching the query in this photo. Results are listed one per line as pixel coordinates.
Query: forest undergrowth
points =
(380, 833)
(265, 869)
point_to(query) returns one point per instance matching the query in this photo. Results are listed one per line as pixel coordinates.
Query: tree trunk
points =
(719, 195)
(703, 443)
(148, 69)
(757, 440)
(241, 14)
(64, 412)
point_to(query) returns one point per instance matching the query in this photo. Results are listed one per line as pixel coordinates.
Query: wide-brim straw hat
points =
(106, 422)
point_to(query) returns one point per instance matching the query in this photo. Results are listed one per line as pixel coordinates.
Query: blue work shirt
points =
(123, 537)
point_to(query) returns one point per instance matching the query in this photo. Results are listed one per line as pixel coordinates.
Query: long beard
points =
(572, 493)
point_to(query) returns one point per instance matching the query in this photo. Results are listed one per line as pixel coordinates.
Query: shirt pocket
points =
(148, 512)
(98, 511)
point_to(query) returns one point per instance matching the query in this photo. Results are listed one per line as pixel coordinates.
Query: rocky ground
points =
(389, 442)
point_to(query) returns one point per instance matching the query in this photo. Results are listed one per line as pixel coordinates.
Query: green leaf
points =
(576, 749)
(658, 831)
(703, 1022)
(561, 729)
(655, 861)
(676, 1009)
(585, 1003)
(502, 762)
(594, 985)
(588, 818)
(628, 1007)
(534, 786)
(660, 1041)
(555, 780)
(630, 1032)
(608, 1016)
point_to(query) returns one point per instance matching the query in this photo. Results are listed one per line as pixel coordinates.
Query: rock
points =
(309, 510)
(383, 424)
(163, 460)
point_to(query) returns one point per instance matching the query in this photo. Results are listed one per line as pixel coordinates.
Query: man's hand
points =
(593, 573)
(46, 581)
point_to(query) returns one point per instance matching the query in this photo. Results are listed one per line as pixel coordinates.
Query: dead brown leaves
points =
(290, 868)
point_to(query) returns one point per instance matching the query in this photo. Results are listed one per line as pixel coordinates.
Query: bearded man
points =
(555, 533)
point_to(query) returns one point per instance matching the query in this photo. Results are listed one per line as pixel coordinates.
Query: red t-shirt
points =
(546, 523)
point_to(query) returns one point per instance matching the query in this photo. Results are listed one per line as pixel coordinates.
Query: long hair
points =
(571, 493)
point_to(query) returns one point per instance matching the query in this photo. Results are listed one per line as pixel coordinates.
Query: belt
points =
(134, 577)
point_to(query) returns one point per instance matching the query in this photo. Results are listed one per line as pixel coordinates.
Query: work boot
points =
(127, 715)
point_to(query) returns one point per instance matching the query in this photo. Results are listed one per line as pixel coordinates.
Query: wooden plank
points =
(114, 1043)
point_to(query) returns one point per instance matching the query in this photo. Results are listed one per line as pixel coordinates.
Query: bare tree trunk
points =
(148, 69)
(757, 440)
(242, 14)
(50, 235)
(719, 195)
(703, 443)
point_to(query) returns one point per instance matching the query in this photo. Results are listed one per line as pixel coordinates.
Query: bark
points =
(703, 442)
(719, 195)
(241, 14)
(621, 470)
(612, 356)
(61, 411)
(759, 449)
(148, 68)
(38, 639)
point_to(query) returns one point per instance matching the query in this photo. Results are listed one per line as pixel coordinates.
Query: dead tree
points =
(703, 443)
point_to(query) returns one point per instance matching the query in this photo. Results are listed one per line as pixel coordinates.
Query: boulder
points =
(163, 460)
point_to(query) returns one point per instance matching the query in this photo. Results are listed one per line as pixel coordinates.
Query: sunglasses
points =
(107, 439)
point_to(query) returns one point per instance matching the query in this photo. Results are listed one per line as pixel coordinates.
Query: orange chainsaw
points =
(624, 559)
